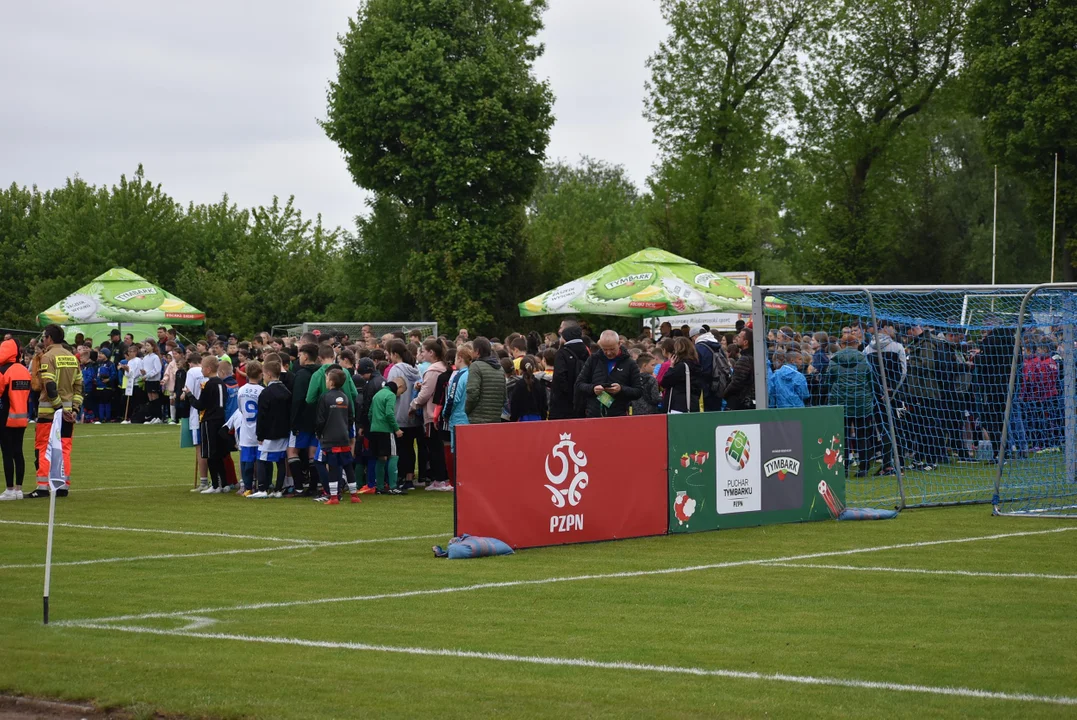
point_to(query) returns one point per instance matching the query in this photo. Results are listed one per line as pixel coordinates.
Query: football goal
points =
(933, 416)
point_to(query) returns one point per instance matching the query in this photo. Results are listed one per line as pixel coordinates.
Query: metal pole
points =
(759, 338)
(1054, 221)
(994, 230)
(48, 551)
(1070, 383)
(899, 472)
(1013, 382)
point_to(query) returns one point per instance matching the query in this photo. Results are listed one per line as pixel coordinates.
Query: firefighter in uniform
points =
(60, 381)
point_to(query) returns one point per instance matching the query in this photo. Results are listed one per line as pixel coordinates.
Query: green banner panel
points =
(759, 467)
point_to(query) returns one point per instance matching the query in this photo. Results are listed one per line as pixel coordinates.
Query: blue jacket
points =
(106, 376)
(787, 388)
(456, 398)
(89, 377)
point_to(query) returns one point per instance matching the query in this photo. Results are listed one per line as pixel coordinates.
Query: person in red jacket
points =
(14, 415)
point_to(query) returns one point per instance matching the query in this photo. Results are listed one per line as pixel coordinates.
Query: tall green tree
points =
(1022, 73)
(580, 218)
(878, 70)
(435, 105)
(719, 87)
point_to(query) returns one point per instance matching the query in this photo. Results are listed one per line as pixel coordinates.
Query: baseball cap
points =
(366, 365)
(695, 330)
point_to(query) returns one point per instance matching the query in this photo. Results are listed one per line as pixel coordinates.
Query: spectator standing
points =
(849, 381)
(485, 386)
(740, 393)
(714, 379)
(404, 375)
(609, 379)
(683, 380)
(429, 403)
(650, 400)
(568, 363)
(787, 386)
(14, 417)
(529, 396)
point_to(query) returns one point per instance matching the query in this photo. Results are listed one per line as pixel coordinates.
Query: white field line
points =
(569, 578)
(130, 434)
(245, 551)
(922, 571)
(622, 666)
(161, 531)
(81, 490)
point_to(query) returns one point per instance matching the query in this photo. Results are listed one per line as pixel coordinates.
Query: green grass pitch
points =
(230, 607)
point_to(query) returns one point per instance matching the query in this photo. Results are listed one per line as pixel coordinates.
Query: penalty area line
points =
(562, 579)
(924, 571)
(160, 531)
(212, 553)
(963, 692)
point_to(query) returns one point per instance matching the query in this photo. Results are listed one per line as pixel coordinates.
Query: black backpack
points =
(721, 370)
(439, 398)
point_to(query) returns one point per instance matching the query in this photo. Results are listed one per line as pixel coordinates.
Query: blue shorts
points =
(319, 456)
(339, 459)
(248, 454)
(302, 440)
(271, 456)
(196, 436)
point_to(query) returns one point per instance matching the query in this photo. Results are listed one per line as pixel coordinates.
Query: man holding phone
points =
(609, 379)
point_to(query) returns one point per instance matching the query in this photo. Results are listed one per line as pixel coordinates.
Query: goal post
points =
(355, 329)
(926, 428)
(1042, 385)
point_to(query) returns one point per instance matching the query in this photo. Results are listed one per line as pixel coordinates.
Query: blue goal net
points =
(924, 376)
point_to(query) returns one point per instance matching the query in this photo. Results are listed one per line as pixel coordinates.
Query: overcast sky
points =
(221, 96)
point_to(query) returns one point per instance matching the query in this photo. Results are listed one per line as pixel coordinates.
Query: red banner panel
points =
(563, 481)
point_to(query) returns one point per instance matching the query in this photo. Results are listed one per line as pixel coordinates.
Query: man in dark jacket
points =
(609, 379)
(566, 369)
(991, 380)
(740, 393)
(302, 442)
(709, 351)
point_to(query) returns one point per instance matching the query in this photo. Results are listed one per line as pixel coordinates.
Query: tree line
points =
(810, 141)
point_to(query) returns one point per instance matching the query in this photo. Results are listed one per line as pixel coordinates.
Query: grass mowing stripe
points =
(160, 531)
(569, 578)
(923, 571)
(312, 545)
(600, 665)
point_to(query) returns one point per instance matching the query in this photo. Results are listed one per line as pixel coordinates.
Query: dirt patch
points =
(27, 708)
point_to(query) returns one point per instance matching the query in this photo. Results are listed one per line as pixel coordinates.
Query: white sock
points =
(204, 481)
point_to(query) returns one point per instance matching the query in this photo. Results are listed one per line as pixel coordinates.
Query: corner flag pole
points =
(57, 480)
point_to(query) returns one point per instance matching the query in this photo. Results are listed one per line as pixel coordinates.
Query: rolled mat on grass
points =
(867, 514)
(466, 547)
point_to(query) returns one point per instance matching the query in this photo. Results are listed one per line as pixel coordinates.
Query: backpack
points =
(721, 370)
(439, 395)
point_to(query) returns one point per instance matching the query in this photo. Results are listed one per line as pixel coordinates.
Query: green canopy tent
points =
(649, 283)
(120, 299)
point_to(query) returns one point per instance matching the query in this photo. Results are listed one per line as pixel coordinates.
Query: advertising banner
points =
(563, 481)
(739, 469)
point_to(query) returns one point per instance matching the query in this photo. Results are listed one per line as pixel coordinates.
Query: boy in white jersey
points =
(195, 381)
(244, 421)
